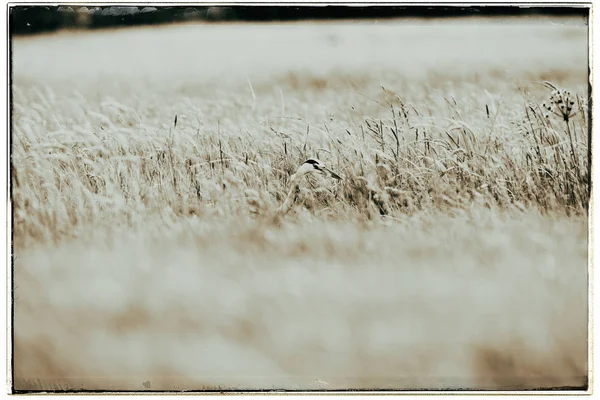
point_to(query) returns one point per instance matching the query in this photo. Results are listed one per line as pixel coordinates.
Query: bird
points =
(310, 166)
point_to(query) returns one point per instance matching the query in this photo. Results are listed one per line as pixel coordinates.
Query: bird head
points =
(311, 166)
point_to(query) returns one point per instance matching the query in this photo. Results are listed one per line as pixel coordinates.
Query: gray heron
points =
(310, 166)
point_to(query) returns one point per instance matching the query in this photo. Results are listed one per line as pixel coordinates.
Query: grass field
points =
(148, 164)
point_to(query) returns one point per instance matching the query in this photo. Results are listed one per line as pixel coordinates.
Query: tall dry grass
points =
(453, 254)
(105, 167)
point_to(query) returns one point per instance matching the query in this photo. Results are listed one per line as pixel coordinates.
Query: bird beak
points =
(333, 174)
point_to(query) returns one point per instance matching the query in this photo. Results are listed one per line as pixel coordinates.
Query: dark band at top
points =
(311, 161)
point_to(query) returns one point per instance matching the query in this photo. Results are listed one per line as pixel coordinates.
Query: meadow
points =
(148, 164)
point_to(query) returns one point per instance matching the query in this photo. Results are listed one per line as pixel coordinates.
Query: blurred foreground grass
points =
(476, 301)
